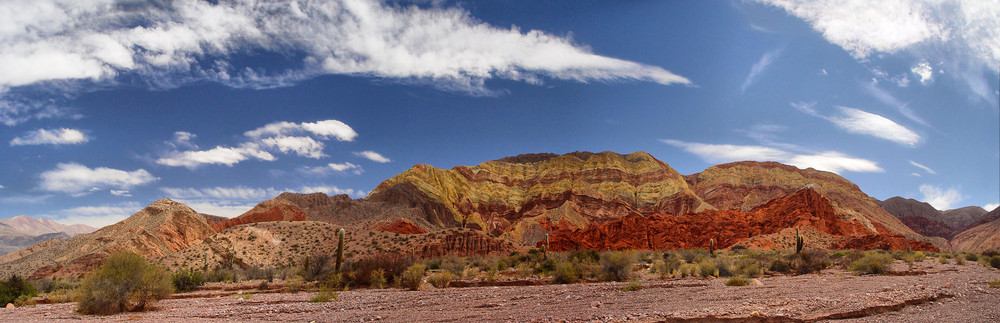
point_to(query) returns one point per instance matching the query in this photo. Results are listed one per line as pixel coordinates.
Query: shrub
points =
(187, 280)
(809, 261)
(294, 284)
(971, 257)
(391, 265)
(748, 267)
(960, 261)
(780, 266)
(995, 262)
(441, 279)
(453, 264)
(994, 284)
(737, 281)
(565, 273)
(706, 268)
(872, 263)
(413, 276)
(943, 260)
(631, 287)
(325, 295)
(546, 266)
(585, 255)
(377, 278)
(125, 282)
(315, 267)
(617, 265)
(688, 270)
(16, 288)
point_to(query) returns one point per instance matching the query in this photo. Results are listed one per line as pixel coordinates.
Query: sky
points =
(107, 106)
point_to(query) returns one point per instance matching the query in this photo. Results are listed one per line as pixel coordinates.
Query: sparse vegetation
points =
(187, 280)
(995, 262)
(737, 281)
(994, 284)
(617, 266)
(441, 279)
(413, 277)
(125, 282)
(377, 279)
(872, 263)
(325, 295)
(565, 273)
(631, 287)
(16, 289)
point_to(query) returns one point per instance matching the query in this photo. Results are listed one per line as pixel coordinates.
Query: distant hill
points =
(982, 237)
(22, 231)
(949, 224)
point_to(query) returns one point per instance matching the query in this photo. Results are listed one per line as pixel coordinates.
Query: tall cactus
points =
(799, 242)
(711, 247)
(340, 248)
(546, 251)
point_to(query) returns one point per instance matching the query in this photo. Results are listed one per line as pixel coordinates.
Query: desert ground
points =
(931, 292)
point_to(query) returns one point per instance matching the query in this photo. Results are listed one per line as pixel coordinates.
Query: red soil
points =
(401, 226)
(277, 213)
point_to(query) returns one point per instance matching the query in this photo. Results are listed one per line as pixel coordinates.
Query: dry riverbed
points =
(932, 292)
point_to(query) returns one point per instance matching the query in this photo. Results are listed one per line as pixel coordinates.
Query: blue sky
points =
(106, 106)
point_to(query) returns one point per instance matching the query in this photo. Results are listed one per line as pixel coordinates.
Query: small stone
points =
(595, 304)
(10, 305)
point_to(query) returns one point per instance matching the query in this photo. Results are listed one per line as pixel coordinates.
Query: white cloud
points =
(890, 100)
(939, 198)
(831, 161)
(302, 146)
(901, 80)
(63, 136)
(335, 167)
(759, 68)
(233, 201)
(925, 168)
(182, 139)
(76, 178)
(124, 193)
(225, 193)
(179, 42)
(964, 34)
(324, 129)
(330, 190)
(823, 72)
(925, 71)
(915, 174)
(861, 122)
(372, 156)
(991, 206)
(228, 156)
(2, 187)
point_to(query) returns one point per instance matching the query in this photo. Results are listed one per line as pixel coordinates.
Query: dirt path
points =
(936, 293)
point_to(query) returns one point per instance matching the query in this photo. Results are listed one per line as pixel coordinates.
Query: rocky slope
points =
(159, 229)
(745, 185)
(982, 237)
(919, 216)
(512, 197)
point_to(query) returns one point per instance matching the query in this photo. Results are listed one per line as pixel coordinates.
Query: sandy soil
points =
(931, 293)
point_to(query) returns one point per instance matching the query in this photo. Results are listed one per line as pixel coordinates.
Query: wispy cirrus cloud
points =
(831, 161)
(759, 67)
(62, 136)
(865, 123)
(372, 156)
(168, 44)
(925, 168)
(74, 178)
(963, 34)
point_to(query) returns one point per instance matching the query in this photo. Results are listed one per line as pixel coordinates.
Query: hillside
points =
(982, 237)
(22, 231)
(159, 229)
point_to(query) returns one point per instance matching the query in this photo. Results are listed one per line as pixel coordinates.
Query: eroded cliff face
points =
(745, 185)
(512, 197)
(803, 209)
(268, 211)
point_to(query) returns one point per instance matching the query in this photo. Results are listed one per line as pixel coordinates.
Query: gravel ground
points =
(931, 293)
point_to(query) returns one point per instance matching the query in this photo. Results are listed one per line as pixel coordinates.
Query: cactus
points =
(711, 247)
(799, 242)
(340, 248)
(546, 251)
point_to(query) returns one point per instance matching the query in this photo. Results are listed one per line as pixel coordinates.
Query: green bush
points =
(325, 295)
(377, 279)
(441, 279)
(315, 267)
(809, 261)
(995, 262)
(971, 257)
(565, 273)
(873, 263)
(631, 287)
(125, 282)
(413, 276)
(706, 268)
(16, 288)
(737, 281)
(187, 280)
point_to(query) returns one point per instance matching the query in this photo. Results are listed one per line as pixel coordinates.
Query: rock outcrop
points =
(745, 185)
(267, 211)
(159, 229)
(805, 208)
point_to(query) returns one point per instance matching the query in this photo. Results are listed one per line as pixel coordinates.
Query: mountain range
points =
(578, 200)
(22, 231)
